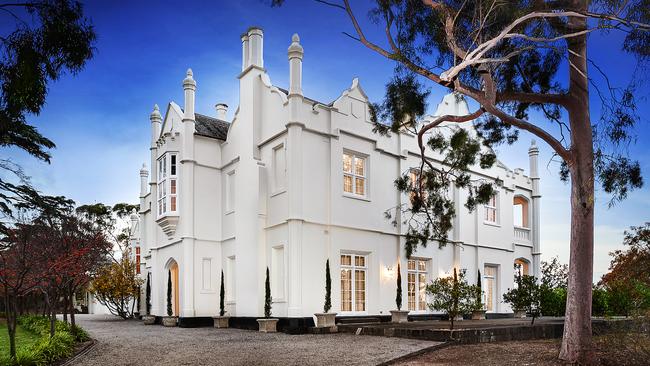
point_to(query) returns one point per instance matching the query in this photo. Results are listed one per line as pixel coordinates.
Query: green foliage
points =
(170, 309)
(526, 296)
(222, 297)
(267, 295)
(328, 288)
(552, 301)
(48, 349)
(398, 296)
(599, 301)
(453, 295)
(148, 294)
(476, 292)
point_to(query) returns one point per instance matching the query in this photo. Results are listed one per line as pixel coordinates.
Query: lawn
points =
(23, 338)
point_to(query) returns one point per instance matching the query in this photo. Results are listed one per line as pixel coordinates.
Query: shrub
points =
(452, 295)
(170, 309)
(328, 287)
(476, 293)
(552, 301)
(599, 301)
(525, 296)
(222, 295)
(398, 296)
(267, 295)
(48, 349)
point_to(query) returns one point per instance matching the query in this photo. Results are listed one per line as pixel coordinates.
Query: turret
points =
(533, 153)
(144, 175)
(156, 120)
(256, 46)
(295, 54)
(189, 85)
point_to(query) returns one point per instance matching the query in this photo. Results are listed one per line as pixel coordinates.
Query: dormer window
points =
(167, 184)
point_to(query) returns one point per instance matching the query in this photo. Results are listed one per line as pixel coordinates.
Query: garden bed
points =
(34, 346)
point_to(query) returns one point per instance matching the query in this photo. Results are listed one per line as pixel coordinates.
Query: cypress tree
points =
(398, 297)
(148, 294)
(170, 310)
(267, 295)
(328, 287)
(479, 293)
(222, 294)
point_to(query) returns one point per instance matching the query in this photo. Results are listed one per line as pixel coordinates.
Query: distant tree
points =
(398, 296)
(600, 301)
(328, 288)
(507, 56)
(452, 295)
(170, 309)
(222, 295)
(267, 295)
(116, 286)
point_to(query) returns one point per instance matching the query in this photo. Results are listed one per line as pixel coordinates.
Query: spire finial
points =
(295, 38)
(189, 73)
(156, 108)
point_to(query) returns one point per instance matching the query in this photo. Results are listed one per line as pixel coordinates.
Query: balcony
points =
(522, 234)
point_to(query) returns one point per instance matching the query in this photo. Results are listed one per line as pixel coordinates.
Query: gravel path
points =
(122, 342)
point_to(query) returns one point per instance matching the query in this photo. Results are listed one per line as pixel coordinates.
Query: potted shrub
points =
(399, 315)
(525, 298)
(267, 324)
(221, 321)
(170, 319)
(148, 319)
(451, 295)
(326, 319)
(478, 308)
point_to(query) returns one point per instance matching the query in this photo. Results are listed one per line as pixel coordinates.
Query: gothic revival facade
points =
(290, 182)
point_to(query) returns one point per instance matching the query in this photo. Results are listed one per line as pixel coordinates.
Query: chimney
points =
(256, 47)
(189, 85)
(156, 120)
(245, 58)
(295, 54)
(222, 110)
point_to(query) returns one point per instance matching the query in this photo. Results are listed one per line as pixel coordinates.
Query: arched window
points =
(522, 265)
(520, 212)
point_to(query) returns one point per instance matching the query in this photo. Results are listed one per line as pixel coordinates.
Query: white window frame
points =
(168, 167)
(353, 174)
(420, 288)
(495, 289)
(489, 207)
(353, 268)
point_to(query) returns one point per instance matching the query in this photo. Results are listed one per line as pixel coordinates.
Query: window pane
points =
(411, 291)
(172, 204)
(164, 202)
(172, 188)
(347, 163)
(346, 289)
(164, 167)
(360, 290)
(360, 261)
(422, 283)
(360, 188)
(173, 165)
(346, 260)
(347, 183)
(411, 264)
(422, 265)
(359, 164)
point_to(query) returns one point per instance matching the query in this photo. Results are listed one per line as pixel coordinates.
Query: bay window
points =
(167, 184)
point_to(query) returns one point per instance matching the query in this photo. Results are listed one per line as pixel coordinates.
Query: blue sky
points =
(99, 118)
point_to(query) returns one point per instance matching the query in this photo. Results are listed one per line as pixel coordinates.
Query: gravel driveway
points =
(122, 342)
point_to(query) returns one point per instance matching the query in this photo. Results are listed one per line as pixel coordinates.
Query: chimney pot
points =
(222, 110)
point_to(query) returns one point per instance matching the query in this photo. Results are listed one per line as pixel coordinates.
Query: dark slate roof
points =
(211, 127)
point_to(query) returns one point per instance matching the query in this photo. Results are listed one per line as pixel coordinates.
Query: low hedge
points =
(48, 349)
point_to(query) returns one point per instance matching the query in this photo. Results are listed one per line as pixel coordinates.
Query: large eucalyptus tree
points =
(506, 55)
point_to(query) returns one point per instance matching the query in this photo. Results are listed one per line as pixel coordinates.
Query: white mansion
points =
(290, 182)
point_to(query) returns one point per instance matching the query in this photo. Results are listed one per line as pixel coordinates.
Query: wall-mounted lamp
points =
(389, 271)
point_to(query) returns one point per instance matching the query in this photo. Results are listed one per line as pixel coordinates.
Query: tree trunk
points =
(11, 325)
(576, 341)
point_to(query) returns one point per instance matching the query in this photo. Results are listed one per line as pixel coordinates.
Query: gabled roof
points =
(211, 127)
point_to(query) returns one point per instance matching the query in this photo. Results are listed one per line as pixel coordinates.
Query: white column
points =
(186, 199)
(533, 153)
(294, 176)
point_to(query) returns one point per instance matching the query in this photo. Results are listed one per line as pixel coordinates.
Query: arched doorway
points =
(172, 273)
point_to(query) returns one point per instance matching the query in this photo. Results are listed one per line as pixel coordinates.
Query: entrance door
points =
(175, 293)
